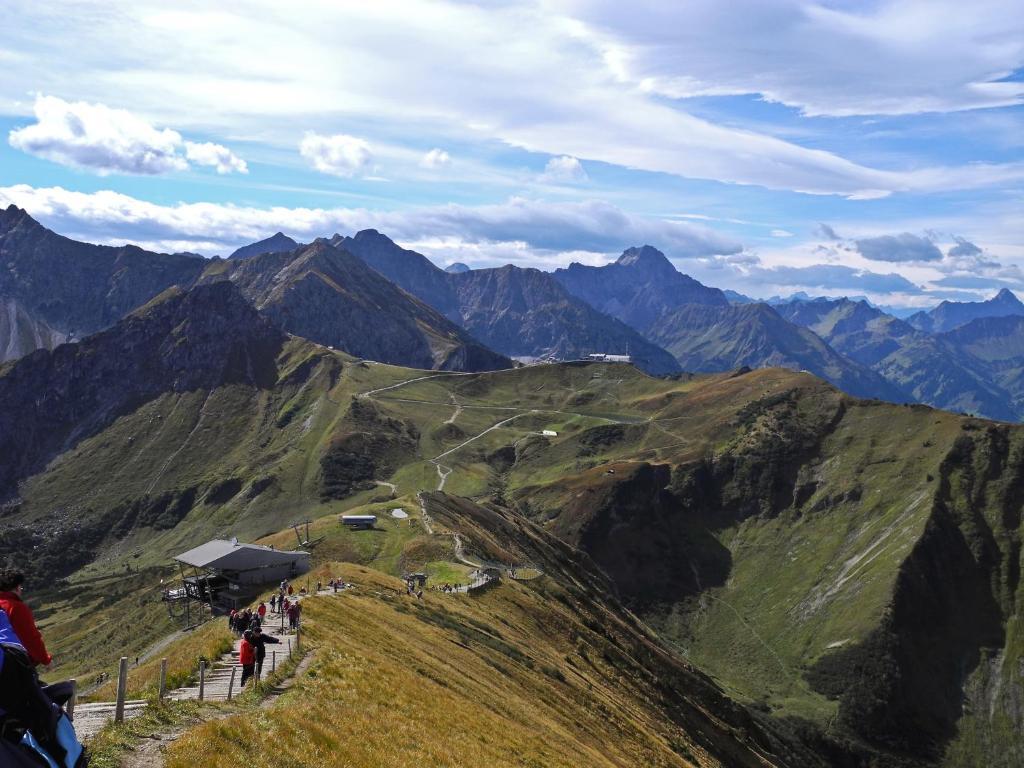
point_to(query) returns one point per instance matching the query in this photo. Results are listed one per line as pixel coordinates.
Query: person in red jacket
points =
(24, 623)
(247, 656)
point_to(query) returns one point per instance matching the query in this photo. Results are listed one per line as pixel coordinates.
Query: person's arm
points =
(24, 624)
(271, 639)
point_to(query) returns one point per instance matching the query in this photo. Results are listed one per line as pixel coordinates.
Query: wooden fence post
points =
(289, 647)
(231, 683)
(298, 637)
(163, 678)
(202, 678)
(70, 706)
(273, 661)
(122, 687)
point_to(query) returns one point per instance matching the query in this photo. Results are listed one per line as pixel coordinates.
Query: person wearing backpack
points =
(21, 696)
(20, 616)
(259, 641)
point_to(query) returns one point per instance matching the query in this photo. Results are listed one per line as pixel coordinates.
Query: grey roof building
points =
(247, 563)
(227, 574)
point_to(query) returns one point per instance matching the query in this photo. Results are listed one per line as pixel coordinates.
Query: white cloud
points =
(781, 233)
(338, 155)
(99, 138)
(215, 155)
(888, 57)
(106, 140)
(530, 75)
(435, 159)
(564, 169)
(540, 228)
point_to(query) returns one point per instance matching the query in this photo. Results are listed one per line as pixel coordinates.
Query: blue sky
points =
(539, 133)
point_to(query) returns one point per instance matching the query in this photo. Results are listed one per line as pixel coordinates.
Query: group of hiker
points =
(22, 697)
(248, 624)
(446, 587)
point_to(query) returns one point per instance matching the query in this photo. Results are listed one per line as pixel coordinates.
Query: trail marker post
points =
(70, 706)
(202, 678)
(122, 687)
(163, 678)
(231, 683)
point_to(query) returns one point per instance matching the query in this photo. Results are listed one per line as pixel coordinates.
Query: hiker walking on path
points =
(259, 641)
(247, 656)
(293, 615)
(21, 618)
(262, 611)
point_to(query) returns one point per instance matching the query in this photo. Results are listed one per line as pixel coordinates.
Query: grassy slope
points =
(805, 583)
(510, 678)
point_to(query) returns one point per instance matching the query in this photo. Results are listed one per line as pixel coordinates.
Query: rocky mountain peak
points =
(279, 242)
(1007, 297)
(372, 236)
(13, 216)
(457, 268)
(646, 258)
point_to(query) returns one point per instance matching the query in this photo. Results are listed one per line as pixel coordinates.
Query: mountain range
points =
(327, 295)
(367, 295)
(517, 311)
(735, 568)
(746, 568)
(950, 315)
(54, 289)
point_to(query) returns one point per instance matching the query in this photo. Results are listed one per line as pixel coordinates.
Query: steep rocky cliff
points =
(181, 341)
(53, 288)
(329, 296)
(516, 311)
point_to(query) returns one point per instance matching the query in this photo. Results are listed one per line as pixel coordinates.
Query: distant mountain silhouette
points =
(53, 289)
(721, 338)
(638, 288)
(329, 296)
(952, 314)
(278, 243)
(513, 310)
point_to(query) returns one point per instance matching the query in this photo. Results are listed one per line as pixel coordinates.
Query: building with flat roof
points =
(227, 574)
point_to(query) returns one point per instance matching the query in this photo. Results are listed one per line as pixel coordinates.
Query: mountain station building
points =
(228, 574)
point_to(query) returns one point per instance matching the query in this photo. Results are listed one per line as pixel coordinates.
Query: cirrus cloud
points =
(528, 75)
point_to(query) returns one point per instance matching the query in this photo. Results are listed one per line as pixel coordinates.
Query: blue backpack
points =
(27, 750)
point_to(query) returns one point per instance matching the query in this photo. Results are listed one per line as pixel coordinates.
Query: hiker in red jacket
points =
(262, 610)
(20, 615)
(247, 656)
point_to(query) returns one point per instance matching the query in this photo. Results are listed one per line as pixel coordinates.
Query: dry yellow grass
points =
(508, 678)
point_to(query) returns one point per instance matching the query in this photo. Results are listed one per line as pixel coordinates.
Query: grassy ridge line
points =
(494, 680)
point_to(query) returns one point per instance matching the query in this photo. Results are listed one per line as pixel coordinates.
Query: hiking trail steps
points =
(91, 717)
